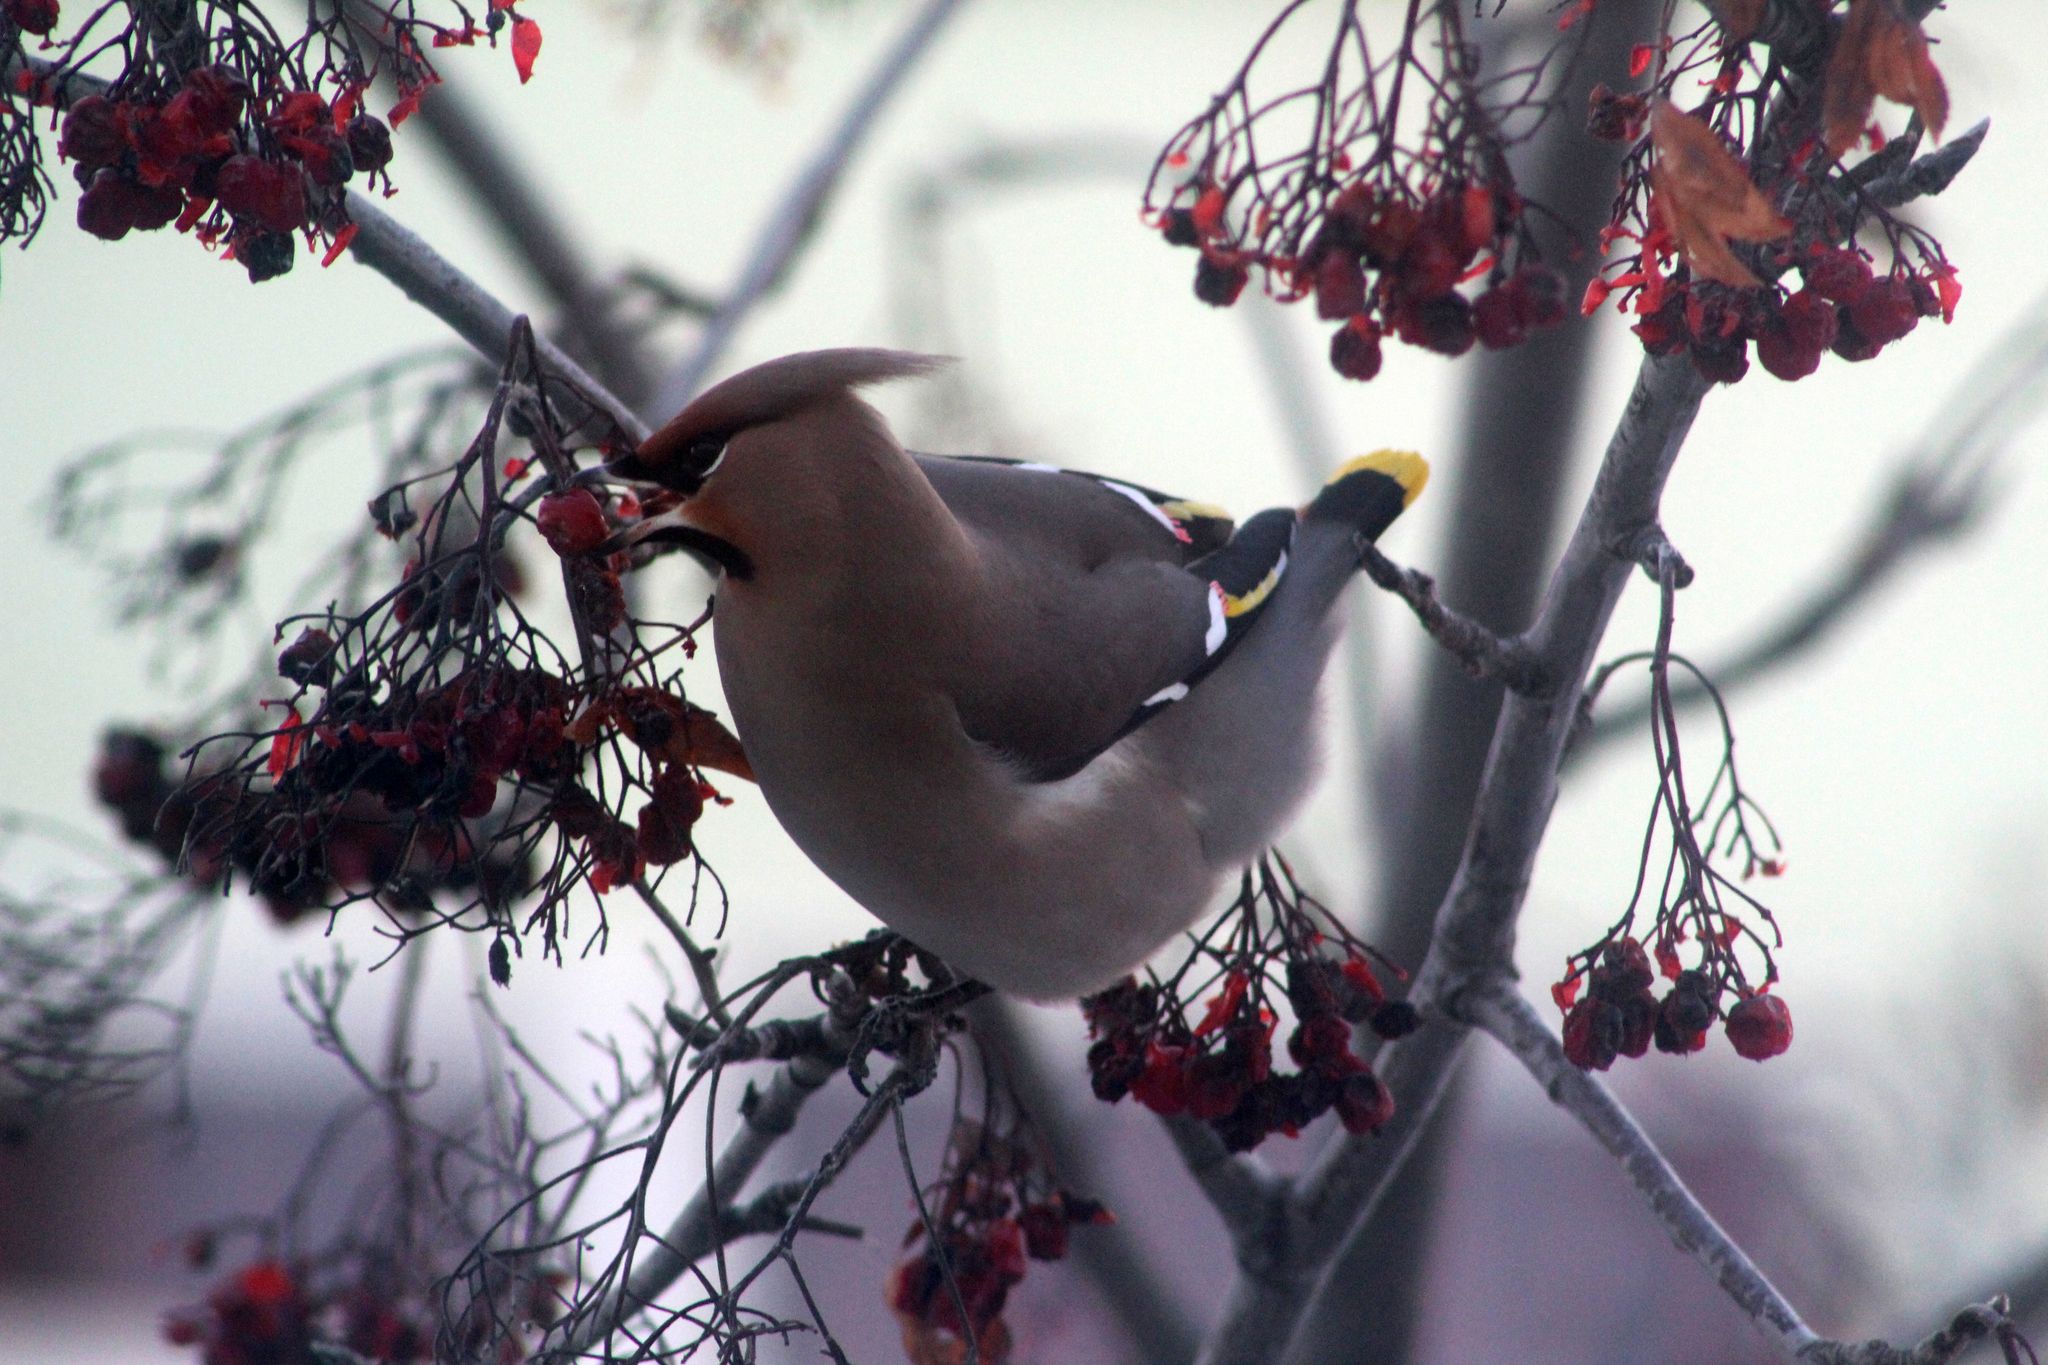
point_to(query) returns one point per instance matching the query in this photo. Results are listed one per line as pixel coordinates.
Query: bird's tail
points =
(1370, 491)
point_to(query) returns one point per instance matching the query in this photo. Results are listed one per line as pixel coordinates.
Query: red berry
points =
(1355, 349)
(94, 134)
(1592, 1034)
(1850, 343)
(1430, 267)
(1340, 286)
(1006, 1249)
(1497, 319)
(1885, 310)
(1837, 275)
(108, 207)
(1760, 1026)
(1161, 1087)
(665, 822)
(219, 94)
(572, 522)
(1219, 278)
(252, 188)
(1790, 344)
(300, 112)
(31, 16)
(1323, 1037)
(1365, 1104)
(1442, 324)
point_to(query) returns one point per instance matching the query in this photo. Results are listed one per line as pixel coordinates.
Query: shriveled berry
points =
(1442, 324)
(1836, 274)
(1395, 1019)
(1364, 1104)
(1683, 1017)
(1355, 349)
(572, 522)
(666, 821)
(1885, 311)
(369, 142)
(265, 255)
(1638, 1022)
(1219, 278)
(1340, 286)
(108, 207)
(1497, 319)
(1177, 226)
(501, 963)
(325, 155)
(220, 93)
(1790, 344)
(1760, 1026)
(1724, 360)
(1539, 291)
(1317, 1039)
(1850, 343)
(31, 16)
(1430, 266)
(252, 188)
(1592, 1034)
(308, 659)
(93, 134)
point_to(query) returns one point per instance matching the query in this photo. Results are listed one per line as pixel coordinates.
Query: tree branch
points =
(1473, 942)
(1501, 1011)
(1939, 494)
(1480, 652)
(790, 226)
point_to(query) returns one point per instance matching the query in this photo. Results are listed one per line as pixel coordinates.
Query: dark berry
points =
(1395, 1019)
(1724, 360)
(1219, 279)
(1355, 349)
(369, 142)
(1340, 286)
(1177, 226)
(1442, 324)
(265, 255)
(1615, 118)
(1365, 1104)
(31, 16)
(1592, 1034)
(1539, 291)
(572, 523)
(308, 659)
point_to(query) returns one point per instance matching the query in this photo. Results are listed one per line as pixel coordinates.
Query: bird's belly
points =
(1045, 890)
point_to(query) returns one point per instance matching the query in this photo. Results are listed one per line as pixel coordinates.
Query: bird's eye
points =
(703, 455)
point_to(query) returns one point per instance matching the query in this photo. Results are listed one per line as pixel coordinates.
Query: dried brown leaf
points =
(1880, 51)
(1707, 196)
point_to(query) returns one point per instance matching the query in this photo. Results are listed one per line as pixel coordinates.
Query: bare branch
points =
(1502, 1012)
(1938, 495)
(1480, 652)
(794, 219)
(1473, 943)
(1248, 1194)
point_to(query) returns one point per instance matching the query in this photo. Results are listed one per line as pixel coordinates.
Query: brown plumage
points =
(930, 663)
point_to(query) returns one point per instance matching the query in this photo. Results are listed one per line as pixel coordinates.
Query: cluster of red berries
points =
(200, 159)
(1620, 1017)
(994, 1217)
(31, 16)
(1221, 1070)
(257, 1316)
(1843, 307)
(1383, 266)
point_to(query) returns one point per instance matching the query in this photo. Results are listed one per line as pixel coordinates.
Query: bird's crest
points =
(764, 394)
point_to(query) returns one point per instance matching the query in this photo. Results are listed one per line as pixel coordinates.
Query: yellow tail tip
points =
(1404, 467)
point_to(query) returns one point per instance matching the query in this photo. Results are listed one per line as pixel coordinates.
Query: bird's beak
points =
(669, 528)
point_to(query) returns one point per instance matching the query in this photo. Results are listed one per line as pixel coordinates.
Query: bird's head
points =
(743, 431)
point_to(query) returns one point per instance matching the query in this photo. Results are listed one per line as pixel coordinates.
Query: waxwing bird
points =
(1029, 718)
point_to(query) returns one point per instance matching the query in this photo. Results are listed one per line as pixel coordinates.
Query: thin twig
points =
(703, 963)
(1480, 652)
(794, 219)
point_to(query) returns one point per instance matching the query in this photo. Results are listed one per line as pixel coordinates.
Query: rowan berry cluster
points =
(236, 133)
(1220, 1069)
(1381, 226)
(1621, 1017)
(997, 1210)
(1722, 200)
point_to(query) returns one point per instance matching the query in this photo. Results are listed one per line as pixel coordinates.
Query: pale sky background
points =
(1905, 764)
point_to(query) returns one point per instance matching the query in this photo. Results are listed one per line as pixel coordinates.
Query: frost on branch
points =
(1719, 203)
